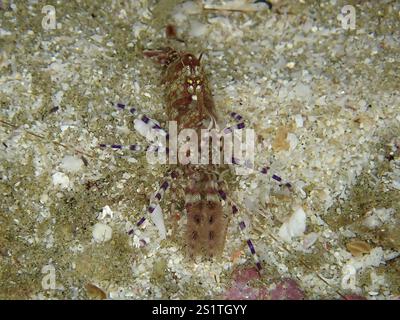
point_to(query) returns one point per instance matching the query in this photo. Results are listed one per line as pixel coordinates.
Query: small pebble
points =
(299, 120)
(71, 164)
(61, 179)
(290, 65)
(101, 232)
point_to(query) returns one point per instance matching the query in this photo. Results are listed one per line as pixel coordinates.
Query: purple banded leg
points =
(239, 123)
(242, 228)
(139, 116)
(237, 117)
(132, 147)
(122, 106)
(222, 194)
(157, 198)
(238, 126)
(275, 177)
(265, 171)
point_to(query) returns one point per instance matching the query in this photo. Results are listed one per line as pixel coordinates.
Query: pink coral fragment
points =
(243, 288)
(287, 289)
(354, 297)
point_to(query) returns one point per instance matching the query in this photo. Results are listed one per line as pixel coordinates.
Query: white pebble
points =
(71, 164)
(294, 227)
(101, 232)
(299, 120)
(197, 29)
(293, 141)
(290, 65)
(61, 179)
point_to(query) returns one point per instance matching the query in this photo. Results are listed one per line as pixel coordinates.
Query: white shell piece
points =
(158, 219)
(294, 227)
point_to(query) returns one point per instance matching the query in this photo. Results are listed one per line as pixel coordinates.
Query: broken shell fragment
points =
(94, 292)
(357, 248)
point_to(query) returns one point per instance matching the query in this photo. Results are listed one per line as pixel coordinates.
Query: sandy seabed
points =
(323, 100)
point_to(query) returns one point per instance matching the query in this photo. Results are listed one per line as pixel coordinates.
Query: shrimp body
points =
(189, 102)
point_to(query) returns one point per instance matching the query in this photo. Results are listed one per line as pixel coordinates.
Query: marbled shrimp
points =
(189, 102)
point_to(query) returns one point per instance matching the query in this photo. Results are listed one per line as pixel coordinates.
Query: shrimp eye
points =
(189, 81)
